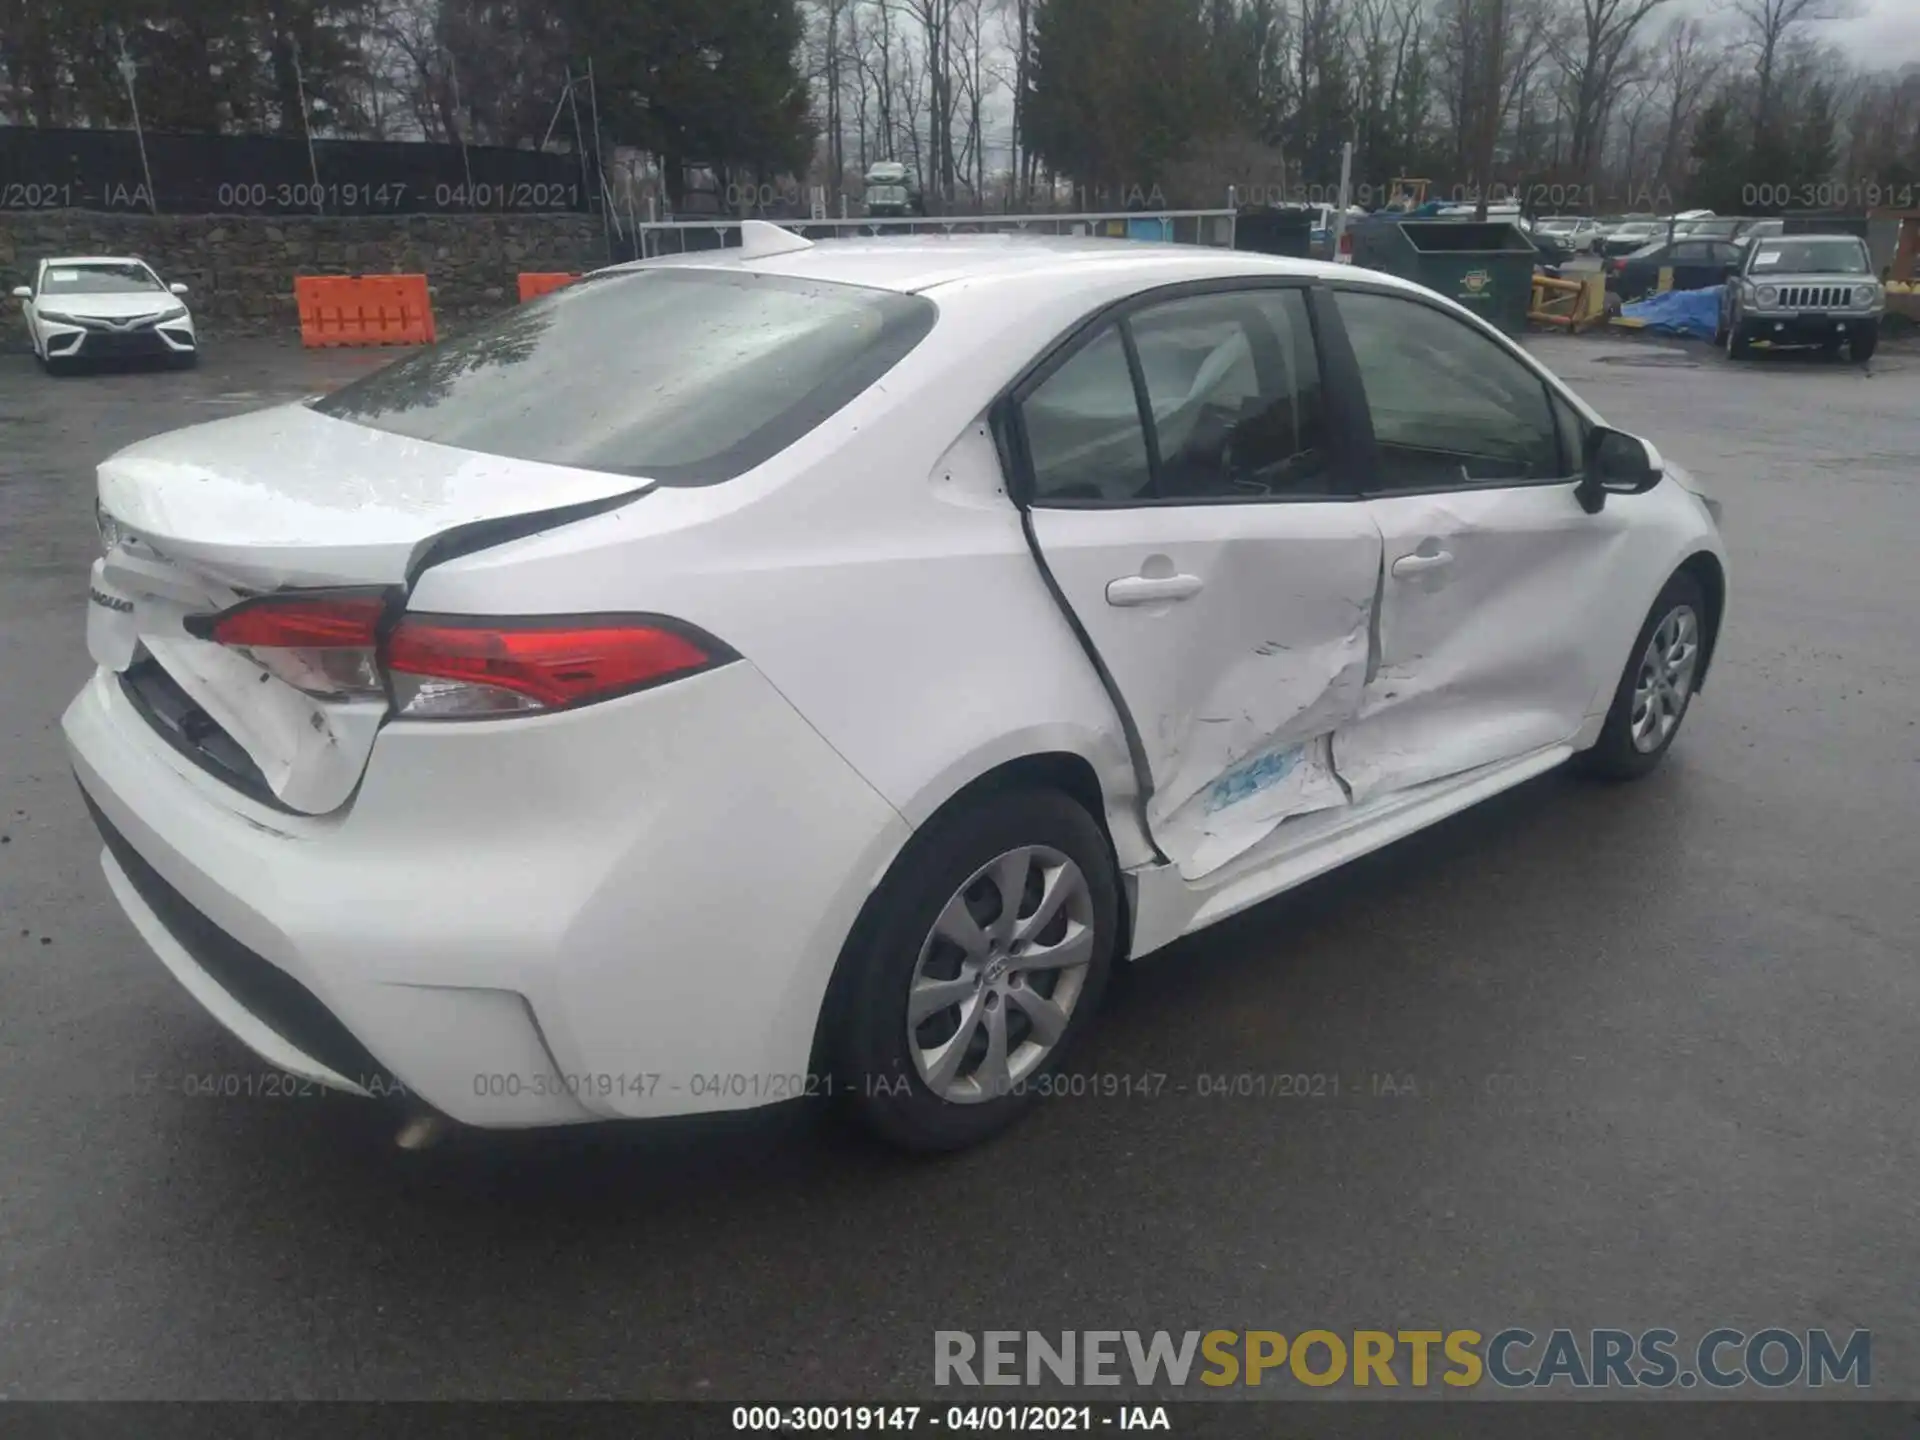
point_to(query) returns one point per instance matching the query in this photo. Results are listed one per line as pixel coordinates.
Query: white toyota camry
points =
(105, 307)
(812, 668)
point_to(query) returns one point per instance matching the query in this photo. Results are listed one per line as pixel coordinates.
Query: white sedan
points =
(1579, 231)
(105, 307)
(802, 668)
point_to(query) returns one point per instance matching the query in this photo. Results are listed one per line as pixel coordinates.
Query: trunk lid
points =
(197, 520)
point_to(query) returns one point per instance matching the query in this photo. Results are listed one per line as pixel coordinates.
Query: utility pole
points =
(599, 165)
(300, 89)
(1346, 195)
(126, 74)
(466, 165)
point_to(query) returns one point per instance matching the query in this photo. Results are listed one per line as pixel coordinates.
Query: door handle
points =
(1415, 564)
(1153, 589)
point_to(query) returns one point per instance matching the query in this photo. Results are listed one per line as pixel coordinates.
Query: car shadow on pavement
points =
(1321, 957)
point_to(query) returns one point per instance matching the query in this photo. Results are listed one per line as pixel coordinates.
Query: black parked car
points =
(1696, 265)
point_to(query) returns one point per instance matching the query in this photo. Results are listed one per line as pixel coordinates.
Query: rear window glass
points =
(684, 376)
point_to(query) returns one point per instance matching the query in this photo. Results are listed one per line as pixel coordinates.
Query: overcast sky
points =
(1883, 35)
(1887, 32)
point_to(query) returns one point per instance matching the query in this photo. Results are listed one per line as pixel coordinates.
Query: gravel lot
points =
(1657, 1043)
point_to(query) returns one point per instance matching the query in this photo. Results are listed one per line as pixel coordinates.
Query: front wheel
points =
(1739, 343)
(983, 959)
(1656, 687)
(1863, 344)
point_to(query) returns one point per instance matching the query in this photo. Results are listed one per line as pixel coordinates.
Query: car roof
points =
(80, 261)
(912, 264)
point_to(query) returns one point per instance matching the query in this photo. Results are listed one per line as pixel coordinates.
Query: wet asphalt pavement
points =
(1646, 1056)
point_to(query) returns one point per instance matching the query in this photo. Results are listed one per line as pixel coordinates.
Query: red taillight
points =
(320, 622)
(321, 644)
(439, 666)
(452, 665)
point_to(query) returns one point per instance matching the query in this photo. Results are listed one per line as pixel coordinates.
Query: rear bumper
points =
(628, 911)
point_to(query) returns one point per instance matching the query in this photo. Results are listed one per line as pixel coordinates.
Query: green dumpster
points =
(1485, 265)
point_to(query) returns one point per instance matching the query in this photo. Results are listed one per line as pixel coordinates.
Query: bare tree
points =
(1687, 70)
(1016, 42)
(878, 61)
(862, 83)
(1769, 25)
(831, 57)
(911, 101)
(936, 19)
(1488, 52)
(1598, 62)
(976, 82)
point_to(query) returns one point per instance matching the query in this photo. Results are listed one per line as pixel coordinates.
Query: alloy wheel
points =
(1665, 681)
(999, 975)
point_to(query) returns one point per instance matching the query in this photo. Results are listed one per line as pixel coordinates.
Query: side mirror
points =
(23, 292)
(1617, 464)
(177, 288)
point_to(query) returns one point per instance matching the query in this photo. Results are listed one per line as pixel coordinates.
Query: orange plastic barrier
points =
(535, 285)
(364, 310)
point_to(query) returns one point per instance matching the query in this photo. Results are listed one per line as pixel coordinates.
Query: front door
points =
(1492, 570)
(1184, 486)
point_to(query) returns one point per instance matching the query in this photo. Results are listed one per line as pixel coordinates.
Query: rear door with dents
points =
(1493, 573)
(1183, 476)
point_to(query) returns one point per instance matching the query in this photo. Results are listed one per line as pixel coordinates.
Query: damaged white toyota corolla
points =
(804, 668)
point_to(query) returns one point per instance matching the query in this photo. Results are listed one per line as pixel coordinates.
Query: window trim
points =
(1008, 421)
(1350, 382)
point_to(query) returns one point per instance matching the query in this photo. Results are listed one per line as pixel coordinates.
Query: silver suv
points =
(1803, 290)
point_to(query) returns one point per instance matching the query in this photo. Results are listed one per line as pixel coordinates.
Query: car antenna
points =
(760, 237)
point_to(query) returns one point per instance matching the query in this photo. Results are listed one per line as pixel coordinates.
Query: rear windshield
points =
(685, 376)
(1837, 255)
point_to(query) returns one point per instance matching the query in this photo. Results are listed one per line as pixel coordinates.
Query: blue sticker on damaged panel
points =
(1252, 777)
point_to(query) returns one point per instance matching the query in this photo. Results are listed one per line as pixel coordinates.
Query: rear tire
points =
(1656, 688)
(988, 981)
(1863, 344)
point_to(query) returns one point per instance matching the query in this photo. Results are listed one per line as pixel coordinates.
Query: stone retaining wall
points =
(240, 268)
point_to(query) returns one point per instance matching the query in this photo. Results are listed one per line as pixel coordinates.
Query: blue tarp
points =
(1680, 312)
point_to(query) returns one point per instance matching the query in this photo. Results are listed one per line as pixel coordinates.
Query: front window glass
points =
(1822, 255)
(118, 279)
(1450, 407)
(1234, 386)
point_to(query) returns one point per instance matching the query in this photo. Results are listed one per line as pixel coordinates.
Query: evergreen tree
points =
(1121, 88)
(1720, 161)
(1815, 142)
